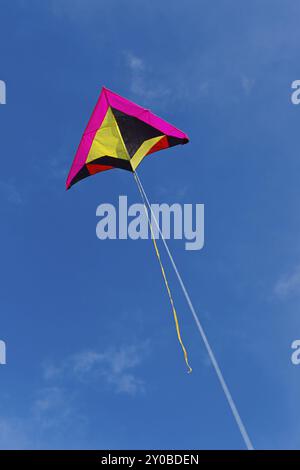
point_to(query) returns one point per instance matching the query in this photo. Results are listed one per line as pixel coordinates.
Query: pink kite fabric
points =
(121, 107)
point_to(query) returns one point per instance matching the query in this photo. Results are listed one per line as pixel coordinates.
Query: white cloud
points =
(114, 367)
(49, 398)
(134, 62)
(247, 84)
(51, 418)
(12, 434)
(54, 414)
(288, 285)
(142, 83)
(53, 409)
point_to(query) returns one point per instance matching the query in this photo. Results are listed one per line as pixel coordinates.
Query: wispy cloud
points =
(115, 367)
(52, 416)
(52, 408)
(49, 398)
(288, 285)
(13, 435)
(247, 84)
(135, 63)
(54, 411)
(142, 83)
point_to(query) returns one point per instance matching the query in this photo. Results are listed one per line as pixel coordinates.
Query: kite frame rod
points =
(200, 328)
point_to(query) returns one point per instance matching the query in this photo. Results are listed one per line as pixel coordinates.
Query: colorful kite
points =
(119, 135)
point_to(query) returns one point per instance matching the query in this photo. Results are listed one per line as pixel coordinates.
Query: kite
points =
(120, 134)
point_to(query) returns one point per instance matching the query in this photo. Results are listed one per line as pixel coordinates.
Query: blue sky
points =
(93, 359)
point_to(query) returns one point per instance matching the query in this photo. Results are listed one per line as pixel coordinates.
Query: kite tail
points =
(165, 278)
(200, 328)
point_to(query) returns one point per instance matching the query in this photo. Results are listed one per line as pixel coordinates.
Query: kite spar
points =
(120, 134)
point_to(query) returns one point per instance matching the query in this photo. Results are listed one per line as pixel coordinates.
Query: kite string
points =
(164, 277)
(210, 352)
